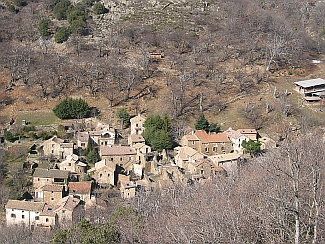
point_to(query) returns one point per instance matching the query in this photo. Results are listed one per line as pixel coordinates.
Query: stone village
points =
(64, 194)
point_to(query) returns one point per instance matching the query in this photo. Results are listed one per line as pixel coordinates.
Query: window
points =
(100, 175)
(46, 220)
(36, 217)
(83, 144)
(63, 211)
(38, 179)
(214, 149)
(193, 142)
(121, 159)
(202, 171)
(52, 199)
(13, 216)
(222, 148)
(111, 159)
(69, 164)
(107, 175)
(23, 216)
(207, 149)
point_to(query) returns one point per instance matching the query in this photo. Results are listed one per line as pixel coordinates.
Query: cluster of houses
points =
(63, 195)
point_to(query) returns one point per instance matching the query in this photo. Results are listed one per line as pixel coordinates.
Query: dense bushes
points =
(61, 35)
(43, 27)
(156, 132)
(99, 8)
(72, 108)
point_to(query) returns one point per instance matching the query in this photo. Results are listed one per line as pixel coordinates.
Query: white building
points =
(24, 212)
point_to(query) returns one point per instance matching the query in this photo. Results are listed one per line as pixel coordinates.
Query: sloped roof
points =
(80, 187)
(137, 118)
(225, 157)
(206, 138)
(235, 134)
(66, 145)
(116, 150)
(136, 138)
(52, 187)
(187, 150)
(200, 161)
(82, 136)
(192, 138)
(69, 203)
(55, 139)
(310, 83)
(49, 210)
(247, 131)
(51, 173)
(25, 205)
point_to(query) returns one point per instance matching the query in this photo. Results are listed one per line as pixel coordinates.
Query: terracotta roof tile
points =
(206, 138)
(80, 187)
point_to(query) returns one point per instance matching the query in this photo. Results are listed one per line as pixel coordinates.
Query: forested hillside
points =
(233, 61)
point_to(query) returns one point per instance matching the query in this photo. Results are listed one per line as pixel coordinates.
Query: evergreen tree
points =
(156, 132)
(202, 123)
(251, 147)
(123, 115)
(72, 109)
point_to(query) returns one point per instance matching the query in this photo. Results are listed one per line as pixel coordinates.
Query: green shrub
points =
(124, 116)
(29, 128)
(78, 26)
(43, 27)
(61, 8)
(20, 3)
(61, 35)
(12, 9)
(99, 8)
(72, 108)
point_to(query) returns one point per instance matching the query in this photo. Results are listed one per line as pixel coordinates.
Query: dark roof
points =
(51, 173)
(25, 205)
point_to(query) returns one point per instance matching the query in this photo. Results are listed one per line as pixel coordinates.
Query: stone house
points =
(48, 219)
(82, 139)
(72, 164)
(237, 139)
(120, 156)
(43, 177)
(137, 124)
(128, 189)
(184, 155)
(208, 144)
(135, 139)
(23, 212)
(97, 138)
(50, 193)
(69, 211)
(57, 147)
(251, 134)
(81, 190)
(142, 148)
(103, 173)
(204, 168)
(227, 161)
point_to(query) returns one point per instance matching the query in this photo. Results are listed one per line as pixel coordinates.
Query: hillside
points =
(179, 58)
